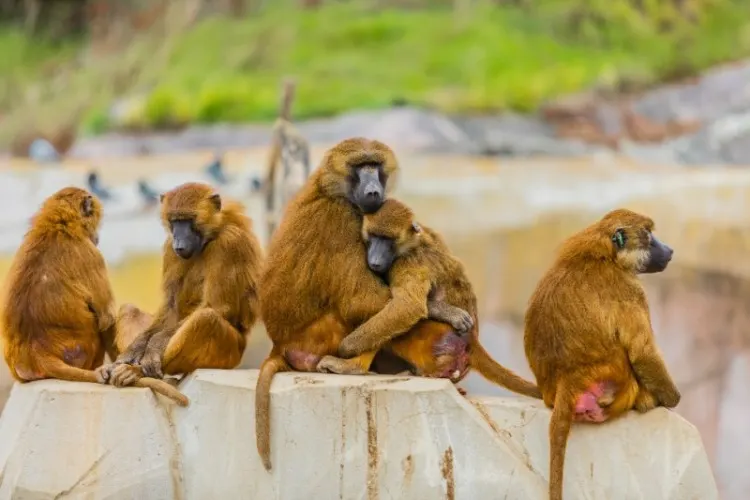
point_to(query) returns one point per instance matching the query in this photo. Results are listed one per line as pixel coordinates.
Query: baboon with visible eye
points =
(588, 335)
(59, 311)
(290, 149)
(210, 278)
(422, 271)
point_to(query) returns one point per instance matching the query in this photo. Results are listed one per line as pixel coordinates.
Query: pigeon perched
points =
(149, 195)
(95, 187)
(216, 170)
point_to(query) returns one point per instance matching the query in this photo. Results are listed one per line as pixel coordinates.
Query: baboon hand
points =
(462, 322)
(151, 366)
(125, 375)
(104, 373)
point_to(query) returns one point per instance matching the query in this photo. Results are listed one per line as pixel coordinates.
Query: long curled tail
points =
(163, 388)
(493, 371)
(272, 365)
(559, 430)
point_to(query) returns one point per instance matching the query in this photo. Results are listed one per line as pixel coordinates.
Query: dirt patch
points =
(446, 468)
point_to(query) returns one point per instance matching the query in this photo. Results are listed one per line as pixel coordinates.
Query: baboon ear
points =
(216, 200)
(161, 198)
(416, 227)
(87, 206)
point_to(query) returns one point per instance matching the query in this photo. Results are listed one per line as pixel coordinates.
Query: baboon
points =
(210, 275)
(316, 286)
(292, 151)
(58, 309)
(420, 268)
(588, 335)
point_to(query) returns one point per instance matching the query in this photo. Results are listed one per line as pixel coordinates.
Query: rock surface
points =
(333, 437)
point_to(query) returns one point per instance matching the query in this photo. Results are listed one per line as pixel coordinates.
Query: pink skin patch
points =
(74, 356)
(456, 349)
(302, 361)
(589, 404)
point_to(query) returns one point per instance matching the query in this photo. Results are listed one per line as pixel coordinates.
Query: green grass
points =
(344, 56)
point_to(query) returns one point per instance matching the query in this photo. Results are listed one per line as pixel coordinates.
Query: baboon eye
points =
(619, 238)
(416, 227)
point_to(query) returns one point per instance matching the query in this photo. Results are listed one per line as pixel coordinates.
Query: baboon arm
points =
(637, 337)
(137, 348)
(222, 295)
(407, 306)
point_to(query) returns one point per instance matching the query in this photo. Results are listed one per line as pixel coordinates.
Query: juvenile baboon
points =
(588, 336)
(58, 309)
(421, 269)
(290, 149)
(210, 275)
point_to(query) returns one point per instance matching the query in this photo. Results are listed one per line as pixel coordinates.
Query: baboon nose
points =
(670, 252)
(372, 195)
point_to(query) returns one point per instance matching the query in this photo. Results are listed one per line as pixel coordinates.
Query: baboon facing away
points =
(58, 312)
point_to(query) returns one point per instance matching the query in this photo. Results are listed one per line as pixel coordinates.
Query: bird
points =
(255, 184)
(95, 187)
(149, 194)
(42, 151)
(215, 170)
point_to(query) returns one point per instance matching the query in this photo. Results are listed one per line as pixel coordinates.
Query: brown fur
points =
(588, 324)
(290, 150)
(316, 277)
(58, 307)
(210, 300)
(426, 274)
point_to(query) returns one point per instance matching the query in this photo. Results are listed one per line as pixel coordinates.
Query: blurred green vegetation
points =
(463, 57)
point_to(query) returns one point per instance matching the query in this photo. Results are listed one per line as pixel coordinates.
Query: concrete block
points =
(78, 440)
(333, 437)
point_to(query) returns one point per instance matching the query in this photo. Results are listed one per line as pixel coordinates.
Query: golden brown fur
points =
(290, 150)
(588, 335)
(210, 300)
(425, 274)
(58, 310)
(316, 278)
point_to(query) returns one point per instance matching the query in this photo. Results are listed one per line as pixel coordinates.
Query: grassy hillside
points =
(344, 56)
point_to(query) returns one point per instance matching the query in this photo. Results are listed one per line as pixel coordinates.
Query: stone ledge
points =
(333, 437)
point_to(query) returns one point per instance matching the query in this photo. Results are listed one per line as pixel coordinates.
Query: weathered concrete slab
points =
(333, 437)
(77, 440)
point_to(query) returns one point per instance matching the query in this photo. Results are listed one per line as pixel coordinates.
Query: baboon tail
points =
(493, 371)
(271, 366)
(163, 388)
(559, 430)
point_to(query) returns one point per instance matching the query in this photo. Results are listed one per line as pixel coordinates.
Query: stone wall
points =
(333, 437)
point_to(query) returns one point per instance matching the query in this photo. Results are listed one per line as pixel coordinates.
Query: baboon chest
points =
(190, 292)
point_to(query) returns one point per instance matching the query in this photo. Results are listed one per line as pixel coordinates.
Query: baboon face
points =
(660, 255)
(381, 252)
(368, 187)
(186, 240)
(389, 233)
(189, 212)
(641, 251)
